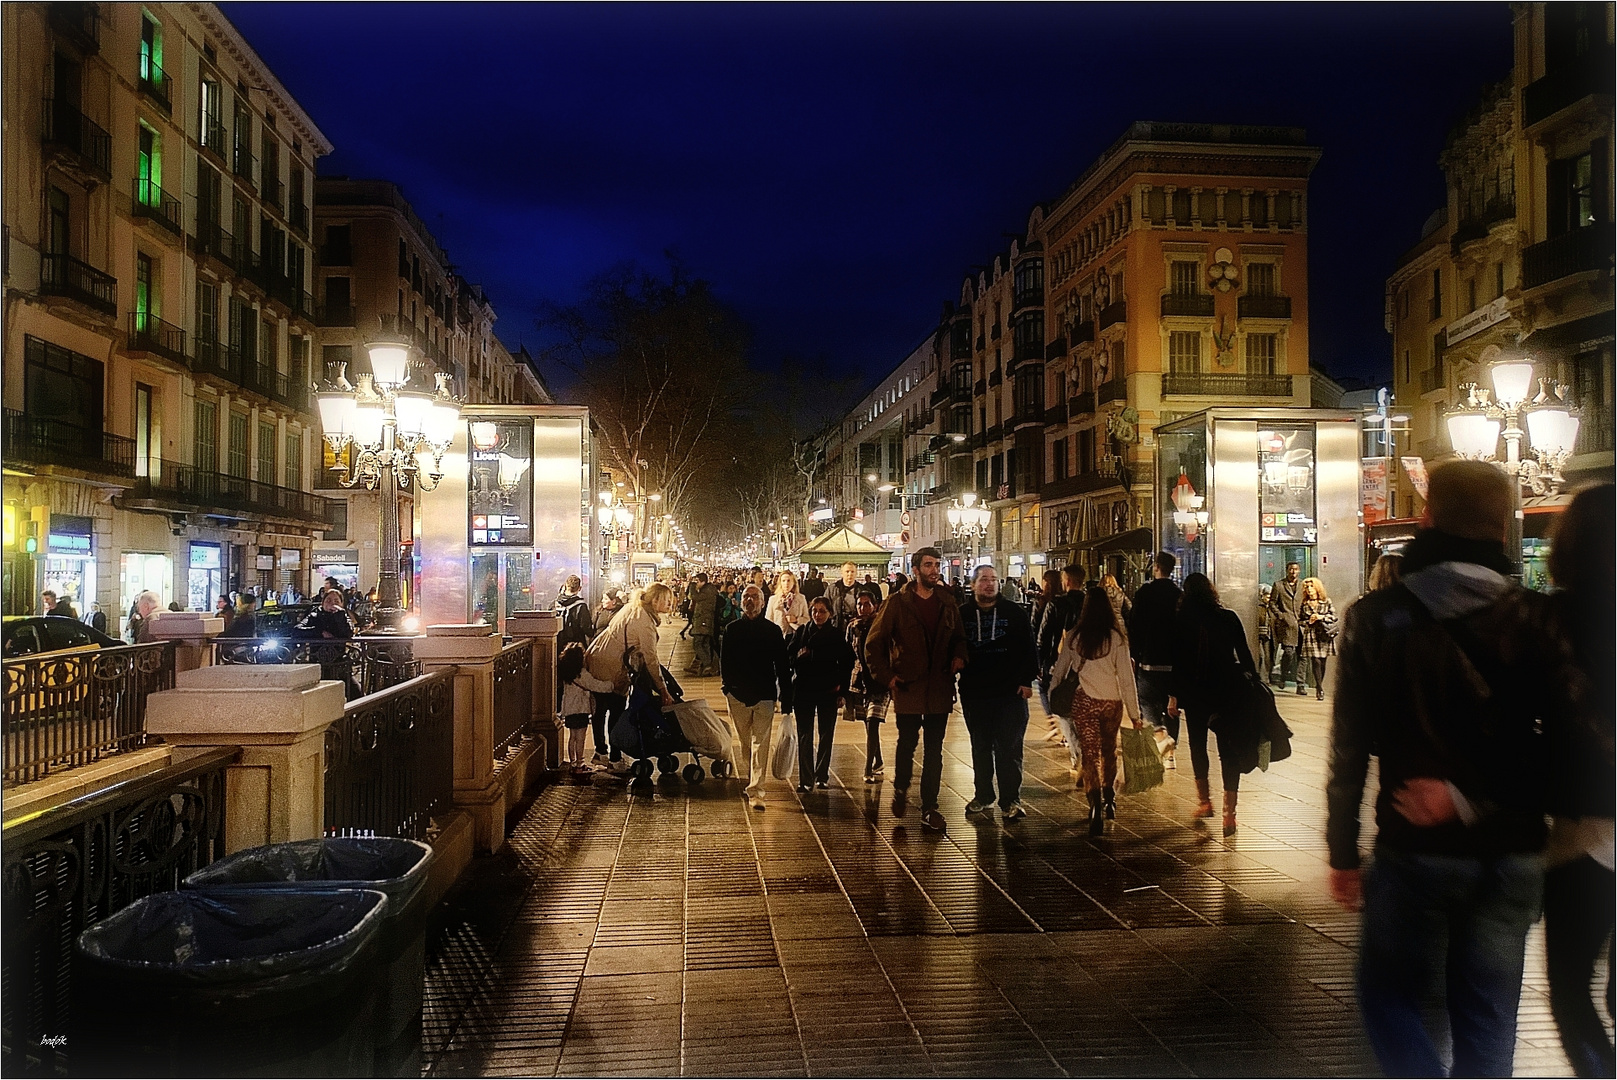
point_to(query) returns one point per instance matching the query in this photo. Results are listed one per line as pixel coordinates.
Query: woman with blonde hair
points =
(787, 609)
(1120, 603)
(629, 640)
(1318, 622)
(1388, 570)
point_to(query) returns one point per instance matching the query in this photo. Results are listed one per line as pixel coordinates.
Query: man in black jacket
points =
(1151, 644)
(995, 686)
(754, 675)
(1451, 680)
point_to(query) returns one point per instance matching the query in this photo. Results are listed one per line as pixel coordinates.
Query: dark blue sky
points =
(835, 171)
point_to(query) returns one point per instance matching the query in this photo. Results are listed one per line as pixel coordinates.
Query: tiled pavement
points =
(681, 933)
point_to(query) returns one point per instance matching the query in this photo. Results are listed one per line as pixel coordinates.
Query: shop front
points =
(1242, 493)
(70, 565)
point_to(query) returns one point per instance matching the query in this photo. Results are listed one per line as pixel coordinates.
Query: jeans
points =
(1578, 913)
(998, 728)
(607, 708)
(754, 726)
(1200, 763)
(1289, 668)
(812, 766)
(1453, 928)
(1153, 688)
(702, 644)
(910, 728)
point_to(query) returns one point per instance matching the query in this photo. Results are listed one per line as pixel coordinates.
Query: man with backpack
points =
(1452, 680)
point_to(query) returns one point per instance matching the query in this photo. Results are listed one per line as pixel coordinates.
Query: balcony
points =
(940, 396)
(151, 336)
(158, 206)
(1082, 332)
(185, 487)
(272, 188)
(63, 275)
(1081, 404)
(1112, 314)
(214, 138)
(1263, 307)
(1474, 225)
(1056, 414)
(243, 164)
(85, 141)
(1545, 97)
(1028, 350)
(155, 83)
(52, 442)
(1432, 378)
(1194, 304)
(212, 241)
(1575, 252)
(994, 434)
(297, 216)
(80, 24)
(1056, 349)
(960, 393)
(1115, 390)
(217, 358)
(1078, 484)
(1201, 384)
(995, 377)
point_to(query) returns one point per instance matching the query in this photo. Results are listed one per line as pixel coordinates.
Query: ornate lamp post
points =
(967, 520)
(1552, 430)
(390, 426)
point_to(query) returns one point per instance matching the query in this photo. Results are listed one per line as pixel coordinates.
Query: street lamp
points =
(969, 521)
(389, 425)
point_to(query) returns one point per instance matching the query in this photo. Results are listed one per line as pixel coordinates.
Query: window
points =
(1184, 352)
(1260, 279)
(295, 195)
(143, 290)
(1261, 355)
(243, 331)
(145, 442)
(404, 259)
(338, 247)
(270, 169)
(207, 312)
(151, 51)
(1498, 280)
(266, 452)
(63, 387)
(207, 436)
(58, 239)
(241, 227)
(1437, 294)
(236, 448)
(212, 131)
(242, 144)
(209, 203)
(1086, 451)
(1403, 303)
(294, 461)
(1260, 209)
(1184, 275)
(269, 351)
(1029, 282)
(148, 168)
(1058, 459)
(1571, 194)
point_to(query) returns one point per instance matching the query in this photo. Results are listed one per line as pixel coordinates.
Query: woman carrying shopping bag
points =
(1097, 648)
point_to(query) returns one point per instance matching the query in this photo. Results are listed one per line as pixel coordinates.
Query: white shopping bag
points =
(783, 759)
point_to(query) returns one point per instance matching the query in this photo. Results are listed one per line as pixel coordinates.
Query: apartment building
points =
(159, 325)
(1176, 280)
(1519, 259)
(382, 272)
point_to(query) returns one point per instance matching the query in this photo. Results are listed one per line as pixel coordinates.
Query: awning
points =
(1132, 542)
(841, 545)
(1589, 329)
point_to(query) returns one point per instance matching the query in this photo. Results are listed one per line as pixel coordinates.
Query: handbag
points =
(1064, 681)
(1142, 761)
(783, 759)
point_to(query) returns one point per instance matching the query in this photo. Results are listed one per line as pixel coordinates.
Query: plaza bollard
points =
(228, 983)
(398, 869)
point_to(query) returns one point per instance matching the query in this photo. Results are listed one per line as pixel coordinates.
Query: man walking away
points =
(916, 647)
(1061, 615)
(1285, 615)
(843, 594)
(754, 675)
(813, 586)
(1453, 681)
(1151, 643)
(704, 626)
(994, 690)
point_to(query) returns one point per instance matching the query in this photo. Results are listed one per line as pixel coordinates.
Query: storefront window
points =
(1287, 529)
(1182, 515)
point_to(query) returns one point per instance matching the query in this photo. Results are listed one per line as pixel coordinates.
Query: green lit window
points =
(149, 168)
(143, 290)
(151, 51)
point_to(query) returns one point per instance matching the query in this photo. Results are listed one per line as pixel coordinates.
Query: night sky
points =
(835, 171)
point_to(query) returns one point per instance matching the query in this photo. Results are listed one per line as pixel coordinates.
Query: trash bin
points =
(228, 983)
(397, 868)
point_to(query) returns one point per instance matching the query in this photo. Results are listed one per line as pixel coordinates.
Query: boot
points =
(1229, 812)
(1097, 819)
(1108, 799)
(1204, 800)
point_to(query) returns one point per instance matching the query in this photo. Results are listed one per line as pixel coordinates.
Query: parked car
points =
(25, 635)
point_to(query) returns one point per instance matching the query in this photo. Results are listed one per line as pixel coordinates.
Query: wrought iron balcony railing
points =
(150, 335)
(79, 24)
(177, 485)
(1202, 384)
(63, 275)
(155, 83)
(1263, 307)
(1197, 304)
(54, 442)
(67, 128)
(157, 205)
(1588, 248)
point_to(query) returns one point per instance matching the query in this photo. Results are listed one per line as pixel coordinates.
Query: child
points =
(867, 699)
(577, 702)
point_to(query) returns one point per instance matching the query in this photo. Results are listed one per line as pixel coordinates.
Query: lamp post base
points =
(389, 622)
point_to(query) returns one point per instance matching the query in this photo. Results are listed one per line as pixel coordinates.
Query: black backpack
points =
(576, 625)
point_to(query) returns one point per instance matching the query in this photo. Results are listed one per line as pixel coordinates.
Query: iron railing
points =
(152, 202)
(63, 275)
(214, 137)
(75, 864)
(80, 23)
(217, 358)
(1588, 248)
(365, 665)
(1263, 307)
(155, 82)
(149, 334)
(1114, 390)
(1545, 97)
(1200, 304)
(389, 762)
(1112, 314)
(179, 485)
(54, 442)
(271, 187)
(1081, 404)
(1082, 332)
(242, 163)
(212, 239)
(73, 707)
(66, 127)
(513, 695)
(1199, 383)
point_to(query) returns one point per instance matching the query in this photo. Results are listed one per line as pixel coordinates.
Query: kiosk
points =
(1241, 492)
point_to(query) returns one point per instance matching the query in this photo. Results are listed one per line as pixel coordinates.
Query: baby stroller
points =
(649, 732)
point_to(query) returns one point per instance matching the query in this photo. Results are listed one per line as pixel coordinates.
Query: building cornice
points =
(260, 76)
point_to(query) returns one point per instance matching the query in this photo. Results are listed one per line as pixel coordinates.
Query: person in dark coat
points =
(1285, 626)
(55, 606)
(331, 621)
(821, 663)
(995, 685)
(755, 676)
(813, 585)
(704, 626)
(843, 594)
(1209, 654)
(1150, 626)
(97, 619)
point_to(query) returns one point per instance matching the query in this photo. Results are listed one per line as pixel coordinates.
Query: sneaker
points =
(870, 778)
(757, 804)
(821, 784)
(581, 769)
(931, 819)
(804, 789)
(976, 806)
(1014, 812)
(598, 759)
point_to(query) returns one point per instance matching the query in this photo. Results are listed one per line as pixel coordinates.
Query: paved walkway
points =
(680, 933)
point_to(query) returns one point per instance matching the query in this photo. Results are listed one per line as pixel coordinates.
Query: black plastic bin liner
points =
(397, 868)
(229, 983)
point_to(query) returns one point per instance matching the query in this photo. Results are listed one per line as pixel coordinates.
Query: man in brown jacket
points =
(916, 647)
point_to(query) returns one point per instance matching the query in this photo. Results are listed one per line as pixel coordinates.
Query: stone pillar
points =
(471, 649)
(192, 633)
(278, 714)
(542, 627)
